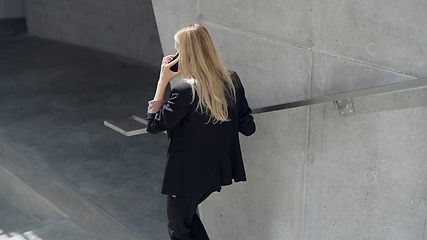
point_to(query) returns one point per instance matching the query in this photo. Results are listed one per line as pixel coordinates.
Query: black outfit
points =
(202, 156)
(184, 223)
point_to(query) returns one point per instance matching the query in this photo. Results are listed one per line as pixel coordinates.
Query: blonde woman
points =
(203, 117)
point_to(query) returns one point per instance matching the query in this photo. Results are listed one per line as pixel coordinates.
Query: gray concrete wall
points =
(12, 9)
(312, 173)
(123, 27)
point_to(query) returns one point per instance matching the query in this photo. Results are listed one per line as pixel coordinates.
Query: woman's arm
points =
(166, 75)
(155, 105)
(171, 112)
(246, 121)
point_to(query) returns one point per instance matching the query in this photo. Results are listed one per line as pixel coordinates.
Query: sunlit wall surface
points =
(312, 173)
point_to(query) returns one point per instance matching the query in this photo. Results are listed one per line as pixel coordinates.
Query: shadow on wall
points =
(12, 9)
(13, 27)
(123, 27)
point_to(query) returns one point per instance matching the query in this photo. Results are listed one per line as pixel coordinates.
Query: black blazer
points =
(201, 157)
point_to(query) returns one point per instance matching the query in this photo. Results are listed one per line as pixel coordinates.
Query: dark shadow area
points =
(13, 26)
(54, 98)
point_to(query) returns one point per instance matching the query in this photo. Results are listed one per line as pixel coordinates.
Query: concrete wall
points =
(123, 27)
(12, 9)
(312, 173)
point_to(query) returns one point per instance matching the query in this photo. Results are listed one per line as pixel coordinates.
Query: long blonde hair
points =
(201, 67)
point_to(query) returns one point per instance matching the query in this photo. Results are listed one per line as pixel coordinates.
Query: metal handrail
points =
(389, 88)
(336, 98)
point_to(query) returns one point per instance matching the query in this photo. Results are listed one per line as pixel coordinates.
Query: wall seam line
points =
(308, 129)
(290, 44)
(307, 148)
(425, 226)
(314, 50)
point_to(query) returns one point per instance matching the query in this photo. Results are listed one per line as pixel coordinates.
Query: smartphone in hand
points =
(174, 68)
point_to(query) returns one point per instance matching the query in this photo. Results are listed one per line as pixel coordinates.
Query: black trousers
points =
(183, 221)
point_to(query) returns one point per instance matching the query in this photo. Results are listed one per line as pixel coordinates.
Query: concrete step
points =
(13, 223)
(62, 230)
(38, 195)
(15, 226)
(25, 225)
(10, 218)
(31, 225)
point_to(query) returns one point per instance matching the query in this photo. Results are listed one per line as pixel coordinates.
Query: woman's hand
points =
(166, 75)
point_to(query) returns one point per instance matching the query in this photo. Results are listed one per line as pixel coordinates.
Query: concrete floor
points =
(54, 98)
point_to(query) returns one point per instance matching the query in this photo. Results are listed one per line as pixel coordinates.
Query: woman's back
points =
(207, 154)
(203, 117)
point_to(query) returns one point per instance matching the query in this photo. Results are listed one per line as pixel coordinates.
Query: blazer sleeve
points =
(170, 114)
(246, 120)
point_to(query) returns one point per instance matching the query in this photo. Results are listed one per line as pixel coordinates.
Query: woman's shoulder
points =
(182, 89)
(182, 86)
(236, 81)
(235, 77)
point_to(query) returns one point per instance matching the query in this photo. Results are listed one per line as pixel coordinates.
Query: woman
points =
(203, 117)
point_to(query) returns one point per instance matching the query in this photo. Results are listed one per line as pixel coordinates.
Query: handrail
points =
(342, 102)
(406, 85)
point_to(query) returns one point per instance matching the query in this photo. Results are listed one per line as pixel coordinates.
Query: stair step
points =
(10, 218)
(4, 236)
(62, 230)
(31, 225)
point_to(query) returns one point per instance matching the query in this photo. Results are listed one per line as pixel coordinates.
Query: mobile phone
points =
(174, 68)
